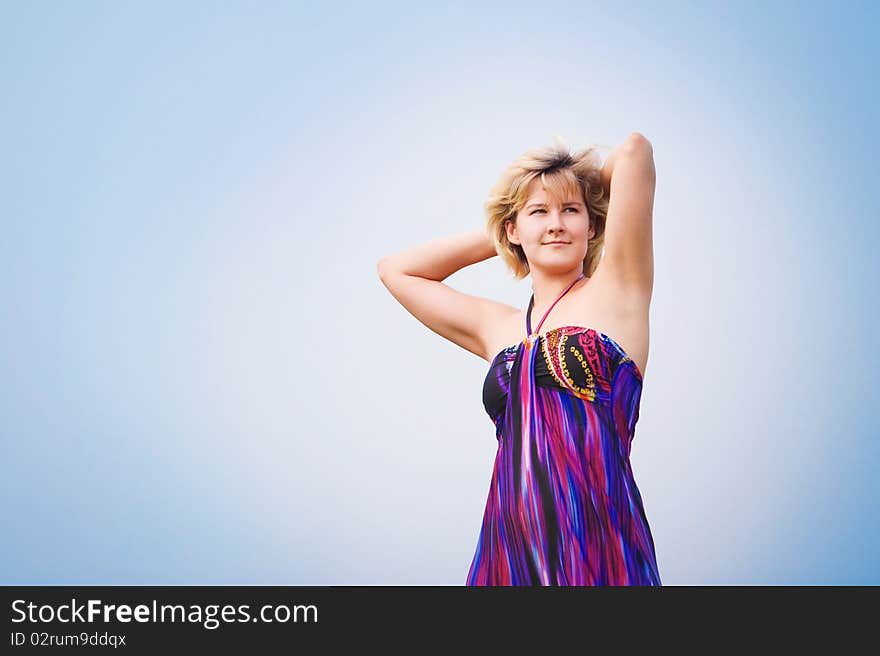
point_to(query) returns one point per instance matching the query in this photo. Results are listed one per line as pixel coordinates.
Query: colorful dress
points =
(563, 507)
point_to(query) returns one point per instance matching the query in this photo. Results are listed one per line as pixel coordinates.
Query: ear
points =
(512, 237)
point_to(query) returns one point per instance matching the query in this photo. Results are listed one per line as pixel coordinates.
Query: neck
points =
(548, 287)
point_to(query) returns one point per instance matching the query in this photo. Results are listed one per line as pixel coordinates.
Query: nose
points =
(554, 225)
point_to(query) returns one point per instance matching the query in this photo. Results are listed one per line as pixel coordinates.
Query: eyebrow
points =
(545, 204)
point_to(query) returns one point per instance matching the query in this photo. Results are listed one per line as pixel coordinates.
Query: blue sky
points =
(205, 382)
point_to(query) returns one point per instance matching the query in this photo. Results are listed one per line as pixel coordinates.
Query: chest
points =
(624, 321)
(576, 361)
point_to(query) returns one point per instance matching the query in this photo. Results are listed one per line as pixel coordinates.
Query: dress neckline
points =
(575, 330)
(529, 333)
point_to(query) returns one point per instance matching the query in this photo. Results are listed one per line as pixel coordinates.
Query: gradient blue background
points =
(205, 382)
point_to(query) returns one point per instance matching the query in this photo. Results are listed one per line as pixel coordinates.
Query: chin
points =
(558, 266)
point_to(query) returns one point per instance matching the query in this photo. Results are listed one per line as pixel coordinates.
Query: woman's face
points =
(542, 221)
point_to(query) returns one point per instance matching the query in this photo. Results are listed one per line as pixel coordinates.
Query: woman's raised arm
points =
(414, 277)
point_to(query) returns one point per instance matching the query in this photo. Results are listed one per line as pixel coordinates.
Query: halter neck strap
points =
(532, 304)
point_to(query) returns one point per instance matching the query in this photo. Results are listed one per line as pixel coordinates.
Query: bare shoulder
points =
(620, 307)
(622, 294)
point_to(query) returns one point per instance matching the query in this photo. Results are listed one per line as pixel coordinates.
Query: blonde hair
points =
(560, 171)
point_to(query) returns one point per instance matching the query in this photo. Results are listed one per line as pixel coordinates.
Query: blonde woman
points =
(565, 374)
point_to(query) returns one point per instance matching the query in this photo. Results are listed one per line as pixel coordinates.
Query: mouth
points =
(558, 243)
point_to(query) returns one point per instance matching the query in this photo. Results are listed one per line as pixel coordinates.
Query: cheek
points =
(535, 239)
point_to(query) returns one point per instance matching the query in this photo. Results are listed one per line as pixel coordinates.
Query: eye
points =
(574, 209)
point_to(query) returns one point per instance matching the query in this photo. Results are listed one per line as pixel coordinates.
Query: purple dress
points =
(563, 507)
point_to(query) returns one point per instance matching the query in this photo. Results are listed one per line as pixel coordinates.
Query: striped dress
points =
(563, 507)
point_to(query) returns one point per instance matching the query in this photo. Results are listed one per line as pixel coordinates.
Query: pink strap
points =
(532, 304)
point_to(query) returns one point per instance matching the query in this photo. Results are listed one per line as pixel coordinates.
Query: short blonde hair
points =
(560, 172)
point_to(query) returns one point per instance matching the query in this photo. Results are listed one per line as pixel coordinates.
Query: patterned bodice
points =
(578, 361)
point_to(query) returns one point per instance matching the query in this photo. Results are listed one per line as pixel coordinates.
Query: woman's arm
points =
(414, 277)
(608, 166)
(440, 258)
(629, 250)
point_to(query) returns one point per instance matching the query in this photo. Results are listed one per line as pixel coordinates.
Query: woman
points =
(563, 507)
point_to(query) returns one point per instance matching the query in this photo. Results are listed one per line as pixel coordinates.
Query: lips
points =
(549, 243)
